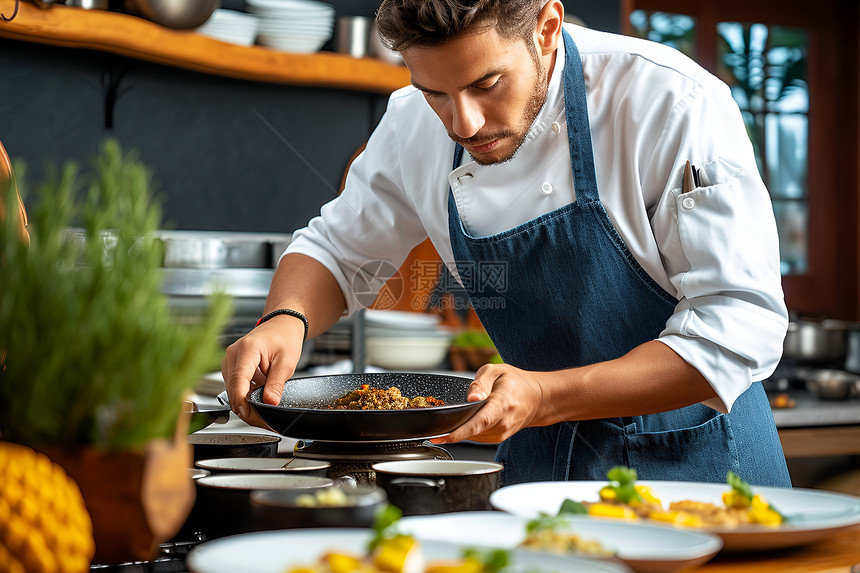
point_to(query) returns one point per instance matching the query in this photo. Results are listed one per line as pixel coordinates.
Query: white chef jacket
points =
(651, 109)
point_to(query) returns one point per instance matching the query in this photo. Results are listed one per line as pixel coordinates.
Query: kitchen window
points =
(786, 64)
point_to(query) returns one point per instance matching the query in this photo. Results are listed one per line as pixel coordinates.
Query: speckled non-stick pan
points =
(303, 412)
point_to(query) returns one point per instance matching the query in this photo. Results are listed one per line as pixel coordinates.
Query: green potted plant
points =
(93, 364)
(471, 349)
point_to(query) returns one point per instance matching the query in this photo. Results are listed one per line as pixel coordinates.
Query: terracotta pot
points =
(136, 499)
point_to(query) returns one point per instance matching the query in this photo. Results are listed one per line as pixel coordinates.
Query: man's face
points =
(486, 89)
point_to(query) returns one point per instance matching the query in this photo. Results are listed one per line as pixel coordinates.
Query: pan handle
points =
(404, 482)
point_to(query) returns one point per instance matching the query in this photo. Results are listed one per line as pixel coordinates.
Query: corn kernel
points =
(611, 510)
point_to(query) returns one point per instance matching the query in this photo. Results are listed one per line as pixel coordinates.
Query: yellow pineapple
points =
(44, 524)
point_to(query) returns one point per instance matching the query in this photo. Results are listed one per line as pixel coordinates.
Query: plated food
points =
(623, 498)
(366, 397)
(807, 515)
(286, 550)
(643, 547)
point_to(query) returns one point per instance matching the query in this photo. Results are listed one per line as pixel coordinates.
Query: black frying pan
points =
(204, 415)
(303, 412)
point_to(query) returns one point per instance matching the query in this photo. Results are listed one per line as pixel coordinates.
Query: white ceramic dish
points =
(252, 481)
(407, 353)
(401, 319)
(645, 548)
(812, 514)
(278, 551)
(276, 465)
(290, 6)
(296, 45)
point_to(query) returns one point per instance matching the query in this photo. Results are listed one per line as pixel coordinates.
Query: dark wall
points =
(604, 16)
(227, 154)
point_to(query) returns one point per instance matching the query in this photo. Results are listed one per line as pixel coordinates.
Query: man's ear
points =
(548, 29)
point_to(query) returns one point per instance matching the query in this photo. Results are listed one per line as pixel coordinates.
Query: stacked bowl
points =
(398, 340)
(231, 26)
(300, 26)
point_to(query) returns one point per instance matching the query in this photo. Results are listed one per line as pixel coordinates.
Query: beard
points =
(535, 103)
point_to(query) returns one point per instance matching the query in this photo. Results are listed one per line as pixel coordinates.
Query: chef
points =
(639, 303)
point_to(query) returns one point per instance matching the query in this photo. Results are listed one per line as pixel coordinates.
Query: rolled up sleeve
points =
(720, 249)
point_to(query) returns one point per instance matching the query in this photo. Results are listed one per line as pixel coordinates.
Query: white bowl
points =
(290, 5)
(407, 353)
(401, 319)
(296, 45)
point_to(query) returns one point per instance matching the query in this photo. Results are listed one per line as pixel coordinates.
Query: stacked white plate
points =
(302, 26)
(406, 341)
(231, 26)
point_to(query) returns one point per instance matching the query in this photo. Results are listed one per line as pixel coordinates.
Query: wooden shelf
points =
(138, 38)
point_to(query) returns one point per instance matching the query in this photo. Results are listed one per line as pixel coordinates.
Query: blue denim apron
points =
(563, 290)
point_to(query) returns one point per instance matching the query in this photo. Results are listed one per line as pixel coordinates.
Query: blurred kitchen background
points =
(249, 131)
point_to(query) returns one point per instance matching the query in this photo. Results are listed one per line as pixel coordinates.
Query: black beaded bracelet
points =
(289, 312)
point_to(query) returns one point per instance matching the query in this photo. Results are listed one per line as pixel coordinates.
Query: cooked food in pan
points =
(367, 398)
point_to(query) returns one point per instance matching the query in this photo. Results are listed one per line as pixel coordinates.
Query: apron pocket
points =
(702, 453)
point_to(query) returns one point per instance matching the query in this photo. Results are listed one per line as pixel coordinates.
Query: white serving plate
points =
(812, 514)
(279, 551)
(277, 465)
(645, 548)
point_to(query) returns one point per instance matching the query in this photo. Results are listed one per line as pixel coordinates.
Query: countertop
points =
(811, 411)
(839, 553)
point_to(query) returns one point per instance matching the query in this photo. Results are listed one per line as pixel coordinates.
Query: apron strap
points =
(578, 128)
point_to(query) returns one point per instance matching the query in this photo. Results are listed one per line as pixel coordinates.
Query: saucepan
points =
(439, 486)
(304, 411)
(816, 341)
(213, 445)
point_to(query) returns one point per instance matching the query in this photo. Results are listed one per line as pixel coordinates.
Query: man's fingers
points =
(279, 371)
(481, 387)
(244, 366)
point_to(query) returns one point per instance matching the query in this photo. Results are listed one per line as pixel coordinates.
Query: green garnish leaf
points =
(623, 481)
(492, 560)
(739, 485)
(384, 525)
(545, 521)
(571, 507)
(621, 475)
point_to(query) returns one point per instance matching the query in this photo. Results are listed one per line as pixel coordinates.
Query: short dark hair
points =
(405, 23)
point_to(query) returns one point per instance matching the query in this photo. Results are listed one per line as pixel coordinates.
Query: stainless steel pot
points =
(420, 487)
(173, 13)
(816, 342)
(852, 351)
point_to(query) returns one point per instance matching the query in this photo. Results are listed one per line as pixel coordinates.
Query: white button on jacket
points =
(651, 109)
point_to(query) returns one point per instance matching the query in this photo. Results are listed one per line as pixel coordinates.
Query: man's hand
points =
(514, 397)
(267, 355)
